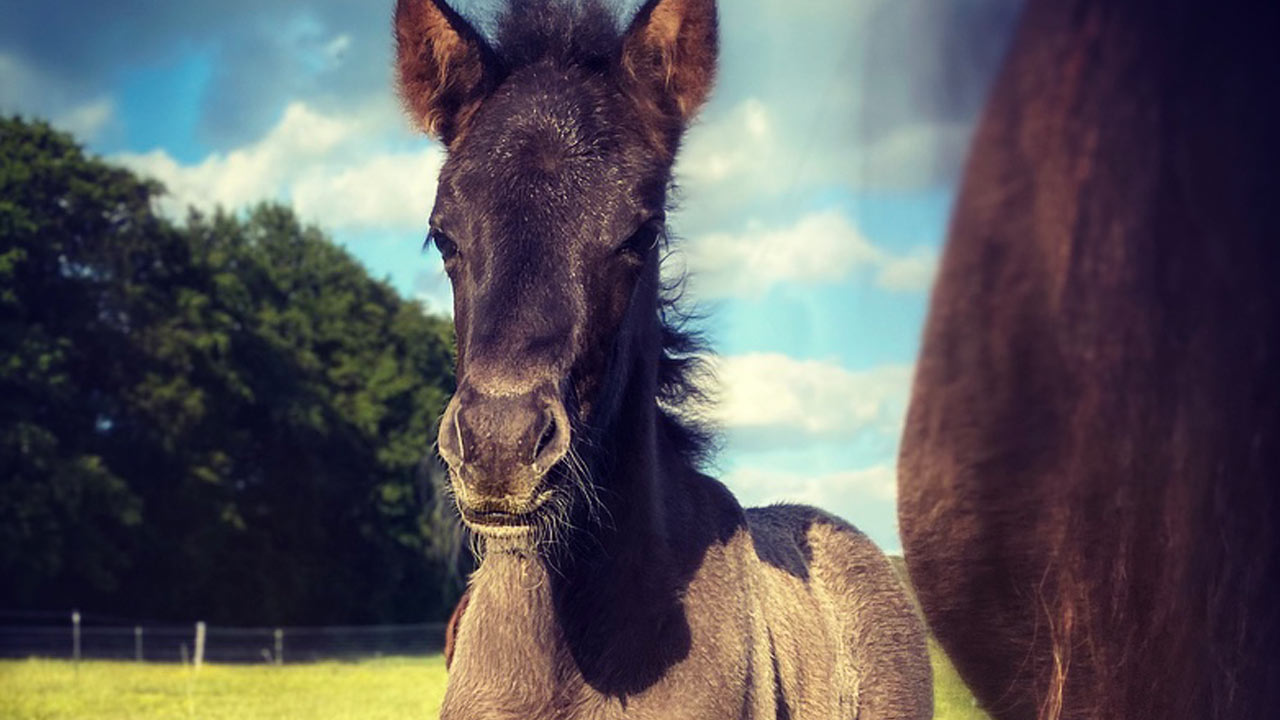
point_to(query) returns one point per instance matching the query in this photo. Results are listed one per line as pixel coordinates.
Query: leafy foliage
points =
(226, 419)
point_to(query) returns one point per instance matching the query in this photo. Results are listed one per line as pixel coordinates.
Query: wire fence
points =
(90, 637)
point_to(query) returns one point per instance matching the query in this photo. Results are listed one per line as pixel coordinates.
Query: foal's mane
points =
(588, 36)
(580, 34)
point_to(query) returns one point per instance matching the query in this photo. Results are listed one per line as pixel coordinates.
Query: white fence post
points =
(137, 643)
(75, 638)
(279, 633)
(199, 655)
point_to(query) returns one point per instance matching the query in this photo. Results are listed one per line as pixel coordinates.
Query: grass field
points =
(396, 689)
(402, 688)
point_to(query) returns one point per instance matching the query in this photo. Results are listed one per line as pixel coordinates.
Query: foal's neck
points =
(604, 609)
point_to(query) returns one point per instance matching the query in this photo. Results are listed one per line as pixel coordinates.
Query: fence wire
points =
(176, 643)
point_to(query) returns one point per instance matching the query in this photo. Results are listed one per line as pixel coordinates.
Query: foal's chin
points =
(511, 521)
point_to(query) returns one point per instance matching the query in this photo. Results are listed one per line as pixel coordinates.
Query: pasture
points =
(409, 688)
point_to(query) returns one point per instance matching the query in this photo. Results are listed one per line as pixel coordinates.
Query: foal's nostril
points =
(553, 442)
(501, 438)
(548, 434)
(449, 440)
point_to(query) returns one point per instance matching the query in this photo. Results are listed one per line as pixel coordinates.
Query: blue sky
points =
(814, 188)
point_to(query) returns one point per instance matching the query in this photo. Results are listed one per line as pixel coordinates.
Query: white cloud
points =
(738, 143)
(26, 90)
(739, 163)
(760, 145)
(863, 93)
(387, 190)
(19, 83)
(820, 247)
(908, 273)
(914, 155)
(743, 165)
(794, 428)
(770, 400)
(760, 157)
(321, 164)
(336, 48)
(432, 288)
(815, 433)
(87, 120)
(827, 490)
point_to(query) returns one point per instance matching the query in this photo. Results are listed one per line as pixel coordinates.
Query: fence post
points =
(137, 643)
(279, 646)
(199, 654)
(75, 638)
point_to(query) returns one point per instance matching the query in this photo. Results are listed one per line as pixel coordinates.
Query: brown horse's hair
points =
(1090, 473)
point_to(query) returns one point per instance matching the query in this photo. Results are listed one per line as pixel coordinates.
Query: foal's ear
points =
(444, 68)
(670, 49)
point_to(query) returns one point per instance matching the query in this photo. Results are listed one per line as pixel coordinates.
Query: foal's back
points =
(826, 589)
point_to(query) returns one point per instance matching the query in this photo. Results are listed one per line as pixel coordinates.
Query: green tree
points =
(227, 418)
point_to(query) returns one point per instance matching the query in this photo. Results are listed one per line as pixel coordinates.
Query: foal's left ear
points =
(444, 67)
(670, 49)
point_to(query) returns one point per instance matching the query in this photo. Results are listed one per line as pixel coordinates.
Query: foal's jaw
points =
(506, 519)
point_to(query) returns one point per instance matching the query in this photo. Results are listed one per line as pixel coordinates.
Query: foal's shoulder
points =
(784, 535)
(788, 522)
(795, 537)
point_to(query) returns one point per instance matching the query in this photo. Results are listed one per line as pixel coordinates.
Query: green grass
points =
(951, 698)
(402, 688)
(372, 690)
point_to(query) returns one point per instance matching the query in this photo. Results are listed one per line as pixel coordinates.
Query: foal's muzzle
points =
(499, 447)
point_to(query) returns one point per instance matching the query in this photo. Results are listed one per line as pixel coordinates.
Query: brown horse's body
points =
(1090, 474)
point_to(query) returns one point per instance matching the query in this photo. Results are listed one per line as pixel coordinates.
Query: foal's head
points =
(549, 216)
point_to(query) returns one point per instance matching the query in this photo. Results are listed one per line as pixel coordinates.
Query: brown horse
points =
(1090, 475)
(617, 580)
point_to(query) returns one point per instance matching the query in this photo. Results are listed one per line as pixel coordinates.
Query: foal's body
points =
(617, 580)
(786, 612)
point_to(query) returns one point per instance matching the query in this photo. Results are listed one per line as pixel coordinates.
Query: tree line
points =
(224, 418)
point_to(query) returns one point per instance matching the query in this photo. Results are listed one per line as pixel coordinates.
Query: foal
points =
(617, 580)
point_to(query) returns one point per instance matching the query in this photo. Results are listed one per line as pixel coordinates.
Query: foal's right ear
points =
(670, 49)
(445, 69)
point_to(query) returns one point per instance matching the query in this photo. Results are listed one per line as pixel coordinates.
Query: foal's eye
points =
(644, 239)
(447, 247)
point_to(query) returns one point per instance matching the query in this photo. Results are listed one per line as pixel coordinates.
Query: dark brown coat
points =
(1090, 475)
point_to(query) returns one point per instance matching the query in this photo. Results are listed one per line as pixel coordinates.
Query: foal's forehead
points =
(551, 138)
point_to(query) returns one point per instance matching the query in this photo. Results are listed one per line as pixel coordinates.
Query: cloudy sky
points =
(814, 190)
